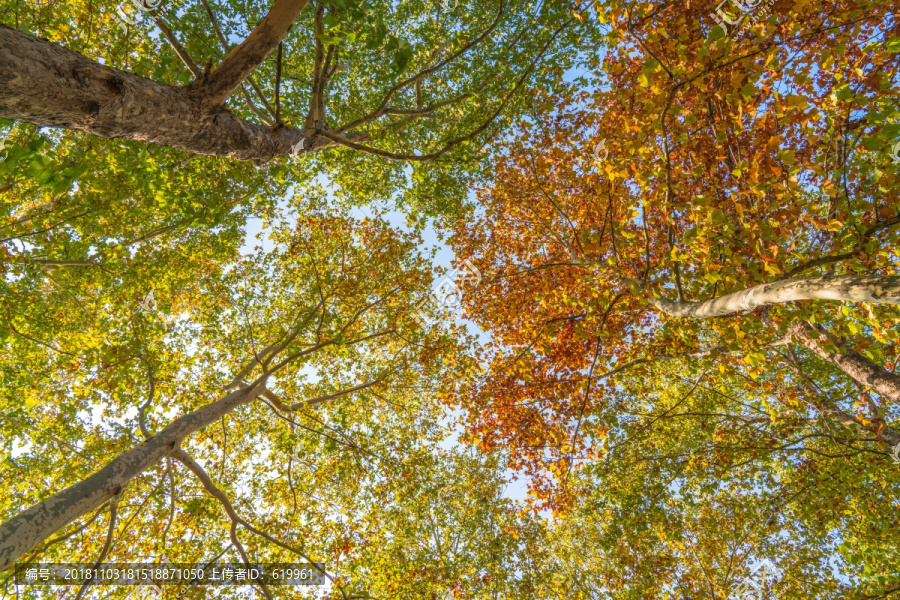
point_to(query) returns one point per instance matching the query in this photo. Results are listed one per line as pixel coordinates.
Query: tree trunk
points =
(875, 289)
(49, 86)
(35, 524)
(857, 366)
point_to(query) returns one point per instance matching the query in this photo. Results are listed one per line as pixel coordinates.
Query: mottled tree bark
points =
(33, 525)
(50, 86)
(831, 348)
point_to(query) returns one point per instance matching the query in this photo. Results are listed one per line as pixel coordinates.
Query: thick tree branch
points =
(225, 46)
(875, 289)
(831, 348)
(241, 61)
(49, 86)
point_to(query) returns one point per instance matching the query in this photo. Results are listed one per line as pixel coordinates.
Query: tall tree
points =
(243, 359)
(443, 78)
(697, 228)
(703, 203)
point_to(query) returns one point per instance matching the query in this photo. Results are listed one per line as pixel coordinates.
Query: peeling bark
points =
(857, 366)
(875, 289)
(35, 524)
(49, 86)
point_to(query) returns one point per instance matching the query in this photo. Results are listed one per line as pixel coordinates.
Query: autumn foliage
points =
(687, 239)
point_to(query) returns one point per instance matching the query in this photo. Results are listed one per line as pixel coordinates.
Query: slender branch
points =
(437, 67)
(171, 519)
(344, 392)
(92, 259)
(259, 94)
(827, 260)
(255, 109)
(185, 459)
(113, 505)
(196, 71)
(141, 412)
(464, 138)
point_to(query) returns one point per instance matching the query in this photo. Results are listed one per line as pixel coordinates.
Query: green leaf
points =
(892, 46)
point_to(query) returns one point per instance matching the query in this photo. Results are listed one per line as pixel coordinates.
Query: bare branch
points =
(113, 505)
(196, 71)
(185, 459)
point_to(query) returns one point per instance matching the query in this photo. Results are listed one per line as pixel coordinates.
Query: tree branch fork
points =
(48, 85)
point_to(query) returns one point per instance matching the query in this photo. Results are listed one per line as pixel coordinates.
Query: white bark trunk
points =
(875, 289)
